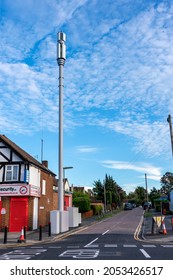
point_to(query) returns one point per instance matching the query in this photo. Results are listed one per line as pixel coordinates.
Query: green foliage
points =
(157, 205)
(97, 209)
(109, 190)
(83, 203)
(138, 196)
(166, 183)
(79, 194)
(153, 195)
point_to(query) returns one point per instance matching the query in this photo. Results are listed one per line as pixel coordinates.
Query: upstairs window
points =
(43, 187)
(11, 173)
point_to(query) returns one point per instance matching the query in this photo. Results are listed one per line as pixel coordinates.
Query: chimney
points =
(45, 163)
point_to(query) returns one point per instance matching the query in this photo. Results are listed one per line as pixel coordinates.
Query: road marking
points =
(111, 246)
(145, 253)
(129, 246)
(92, 246)
(167, 246)
(105, 232)
(54, 247)
(22, 254)
(91, 242)
(16, 257)
(80, 254)
(72, 247)
(35, 247)
(149, 246)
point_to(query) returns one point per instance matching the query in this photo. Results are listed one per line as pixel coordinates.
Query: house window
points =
(43, 187)
(11, 173)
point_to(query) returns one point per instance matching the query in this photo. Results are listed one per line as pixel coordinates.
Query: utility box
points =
(73, 216)
(55, 221)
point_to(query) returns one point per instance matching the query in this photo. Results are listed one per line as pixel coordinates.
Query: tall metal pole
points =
(169, 120)
(61, 56)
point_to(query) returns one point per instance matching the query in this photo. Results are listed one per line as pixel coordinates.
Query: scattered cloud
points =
(152, 172)
(118, 73)
(87, 149)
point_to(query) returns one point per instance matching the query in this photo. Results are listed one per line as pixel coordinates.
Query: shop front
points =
(18, 201)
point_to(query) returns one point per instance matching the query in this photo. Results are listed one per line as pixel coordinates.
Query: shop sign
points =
(35, 191)
(3, 211)
(19, 190)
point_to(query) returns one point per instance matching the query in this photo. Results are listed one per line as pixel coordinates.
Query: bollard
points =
(49, 232)
(153, 226)
(24, 232)
(172, 222)
(5, 234)
(40, 233)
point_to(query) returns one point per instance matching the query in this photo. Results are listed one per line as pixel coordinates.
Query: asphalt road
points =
(110, 239)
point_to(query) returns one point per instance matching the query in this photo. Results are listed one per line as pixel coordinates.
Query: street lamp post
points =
(65, 168)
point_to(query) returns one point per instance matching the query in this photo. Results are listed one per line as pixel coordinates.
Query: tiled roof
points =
(23, 154)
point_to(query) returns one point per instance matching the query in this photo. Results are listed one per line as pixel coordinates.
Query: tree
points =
(154, 194)
(98, 190)
(166, 183)
(114, 193)
(140, 193)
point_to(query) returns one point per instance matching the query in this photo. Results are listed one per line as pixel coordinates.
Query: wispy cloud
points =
(118, 73)
(152, 172)
(86, 149)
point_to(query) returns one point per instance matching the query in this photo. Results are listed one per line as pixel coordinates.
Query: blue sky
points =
(118, 79)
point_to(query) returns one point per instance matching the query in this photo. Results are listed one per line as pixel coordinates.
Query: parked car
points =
(128, 206)
(147, 205)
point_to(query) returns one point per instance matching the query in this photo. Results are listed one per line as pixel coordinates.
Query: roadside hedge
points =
(83, 203)
(97, 209)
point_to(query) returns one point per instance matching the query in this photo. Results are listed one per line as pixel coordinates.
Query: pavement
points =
(154, 233)
(144, 232)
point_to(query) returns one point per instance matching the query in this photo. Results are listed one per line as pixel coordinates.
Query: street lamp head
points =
(61, 48)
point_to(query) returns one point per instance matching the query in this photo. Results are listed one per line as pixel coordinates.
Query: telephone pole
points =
(146, 185)
(169, 120)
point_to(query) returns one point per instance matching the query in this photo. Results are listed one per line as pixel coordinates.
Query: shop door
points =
(18, 214)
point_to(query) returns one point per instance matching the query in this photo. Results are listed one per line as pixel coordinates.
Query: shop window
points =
(11, 173)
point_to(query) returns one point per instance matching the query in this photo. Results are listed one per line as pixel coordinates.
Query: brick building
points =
(28, 189)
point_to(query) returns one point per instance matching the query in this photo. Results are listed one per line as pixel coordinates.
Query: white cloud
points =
(152, 172)
(87, 149)
(118, 72)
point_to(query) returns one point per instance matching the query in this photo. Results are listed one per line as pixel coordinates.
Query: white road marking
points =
(129, 246)
(54, 247)
(167, 246)
(145, 253)
(22, 254)
(80, 254)
(149, 246)
(111, 246)
(91, 242)
(72, 247)
(105, 232)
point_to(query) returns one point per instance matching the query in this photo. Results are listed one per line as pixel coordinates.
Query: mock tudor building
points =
(27, 189)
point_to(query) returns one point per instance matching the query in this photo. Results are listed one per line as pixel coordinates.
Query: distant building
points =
(27, 189)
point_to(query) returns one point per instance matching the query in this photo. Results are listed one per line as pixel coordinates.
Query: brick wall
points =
(46, 203)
